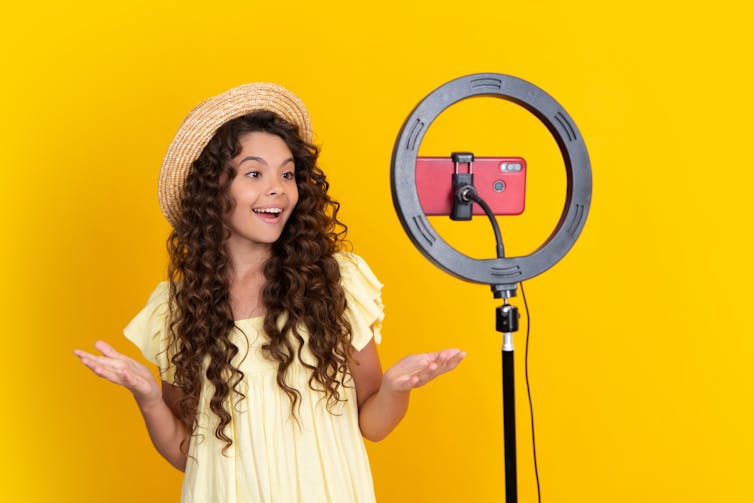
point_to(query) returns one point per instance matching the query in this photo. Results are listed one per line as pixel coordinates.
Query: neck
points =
(246, 261)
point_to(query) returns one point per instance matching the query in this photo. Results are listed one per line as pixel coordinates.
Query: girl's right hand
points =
(127, 372)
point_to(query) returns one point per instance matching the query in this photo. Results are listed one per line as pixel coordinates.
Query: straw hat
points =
(201, 123)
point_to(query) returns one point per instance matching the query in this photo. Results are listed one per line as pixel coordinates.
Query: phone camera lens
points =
(499, 186)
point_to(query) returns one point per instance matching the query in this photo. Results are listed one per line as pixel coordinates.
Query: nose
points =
(275, 188)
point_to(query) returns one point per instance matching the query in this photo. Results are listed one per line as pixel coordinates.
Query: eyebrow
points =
(262, 161)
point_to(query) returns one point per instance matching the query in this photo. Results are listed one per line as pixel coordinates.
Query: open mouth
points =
(271, 211)
(268, 214)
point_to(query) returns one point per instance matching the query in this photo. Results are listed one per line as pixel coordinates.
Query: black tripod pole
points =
(509, 421)
(507, 323)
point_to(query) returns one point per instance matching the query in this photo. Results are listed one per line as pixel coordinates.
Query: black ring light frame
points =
(502, 273)
(497, 271)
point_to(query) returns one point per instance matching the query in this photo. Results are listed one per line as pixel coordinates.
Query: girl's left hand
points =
(417, 370)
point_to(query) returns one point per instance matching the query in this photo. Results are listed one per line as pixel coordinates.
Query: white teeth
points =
(273, 211)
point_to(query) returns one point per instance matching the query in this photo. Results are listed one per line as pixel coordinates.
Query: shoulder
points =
(353, 268)
(157, 303)
(147, 329)
(160, 294)
(364, 307)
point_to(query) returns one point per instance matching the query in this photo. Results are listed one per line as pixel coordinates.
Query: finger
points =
(447, 366)
(108, 350)
(459, 358)
(450, 357)
(422, 378)
(453, 361)
(447, 354)
(411, 364)
(442, 368)
(438, 358)
(123, 377)
(83, 354)
(104, 372)
(105, 362)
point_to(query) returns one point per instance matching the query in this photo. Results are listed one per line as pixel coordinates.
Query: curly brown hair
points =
(302, 290)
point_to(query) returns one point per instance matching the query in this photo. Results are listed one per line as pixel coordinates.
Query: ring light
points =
(496, 271)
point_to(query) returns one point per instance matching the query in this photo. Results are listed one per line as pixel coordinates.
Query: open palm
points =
(122, 370)
(417, 370)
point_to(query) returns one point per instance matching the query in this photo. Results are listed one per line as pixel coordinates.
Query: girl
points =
(265, 332)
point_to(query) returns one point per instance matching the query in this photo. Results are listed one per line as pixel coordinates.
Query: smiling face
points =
(264, 191)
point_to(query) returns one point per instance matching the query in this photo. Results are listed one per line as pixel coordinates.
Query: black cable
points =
(528, 392)
(470, 193)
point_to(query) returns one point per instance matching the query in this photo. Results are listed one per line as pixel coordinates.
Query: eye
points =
(288, 175)
(253, 174)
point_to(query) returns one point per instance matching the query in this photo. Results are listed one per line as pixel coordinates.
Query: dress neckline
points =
(249, 320)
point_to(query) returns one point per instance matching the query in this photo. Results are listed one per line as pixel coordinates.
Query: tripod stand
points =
(506, 322)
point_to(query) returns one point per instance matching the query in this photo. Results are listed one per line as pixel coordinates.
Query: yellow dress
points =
(321, 458)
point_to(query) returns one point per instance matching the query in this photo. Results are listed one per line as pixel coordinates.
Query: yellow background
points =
(641, 343)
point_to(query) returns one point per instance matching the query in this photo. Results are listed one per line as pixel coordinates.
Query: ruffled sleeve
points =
(148, 330)
(364, 307)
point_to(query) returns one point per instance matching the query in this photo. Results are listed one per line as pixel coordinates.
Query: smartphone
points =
(500, 181)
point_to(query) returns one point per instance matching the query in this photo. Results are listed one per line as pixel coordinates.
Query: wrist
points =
(148, 405)
(389, 388)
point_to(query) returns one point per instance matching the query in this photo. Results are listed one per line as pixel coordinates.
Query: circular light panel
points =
(495, 271)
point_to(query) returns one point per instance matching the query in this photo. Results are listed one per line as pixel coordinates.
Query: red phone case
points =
(433, 184)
